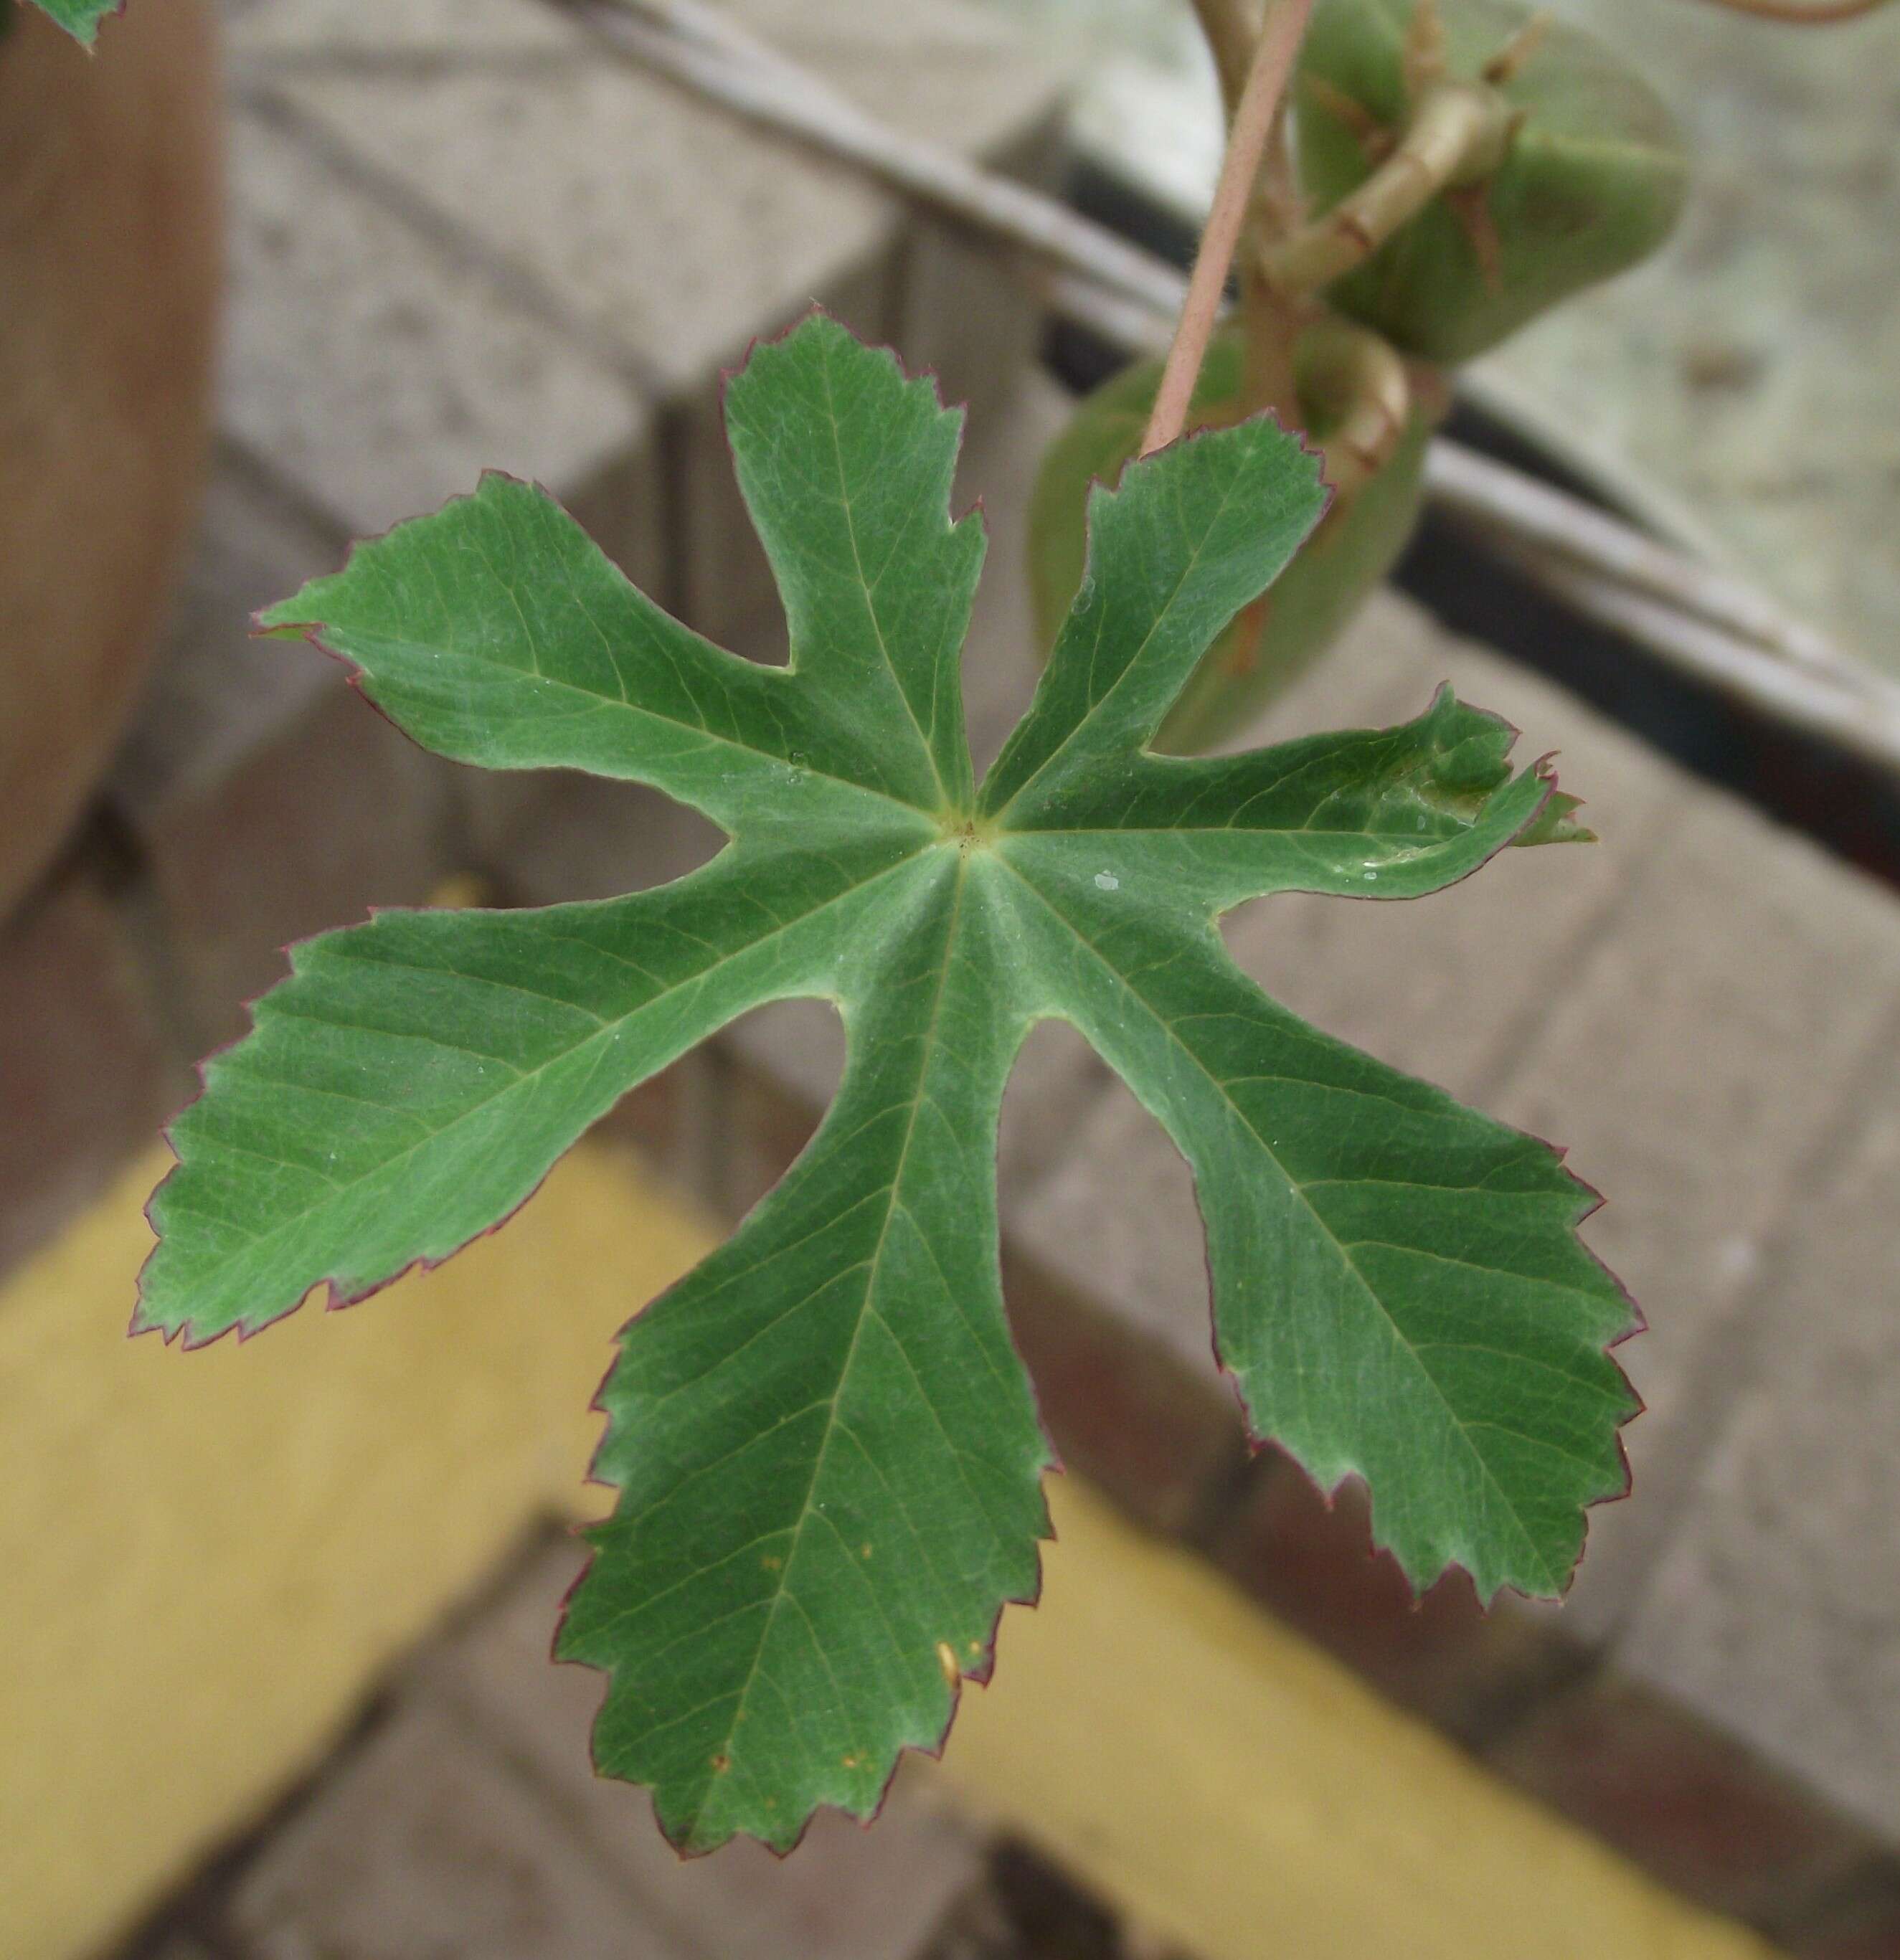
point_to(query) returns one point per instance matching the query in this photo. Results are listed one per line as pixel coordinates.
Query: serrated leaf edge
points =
(982, 1673)
(1590, 1202)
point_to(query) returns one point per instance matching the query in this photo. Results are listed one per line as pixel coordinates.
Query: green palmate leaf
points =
(828, 1460)
(1592, 182)
(80, 18)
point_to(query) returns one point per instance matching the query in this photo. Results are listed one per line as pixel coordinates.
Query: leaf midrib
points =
(869, 589)
(526, 1079)
(1411, 850)
(606, 704)
(866, 1313)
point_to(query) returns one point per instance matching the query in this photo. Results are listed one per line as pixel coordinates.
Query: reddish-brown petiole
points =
(1253, 122)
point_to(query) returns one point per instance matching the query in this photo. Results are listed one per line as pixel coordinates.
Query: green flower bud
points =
(1591, 182)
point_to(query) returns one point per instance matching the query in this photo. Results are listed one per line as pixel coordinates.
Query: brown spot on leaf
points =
(1243, 653)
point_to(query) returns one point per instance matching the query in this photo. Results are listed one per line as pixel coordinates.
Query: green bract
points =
(80, 18)
(1593, 183)
(1276, 640)
(828, 1460)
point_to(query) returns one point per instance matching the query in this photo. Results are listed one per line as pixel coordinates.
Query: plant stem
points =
(1253, 121)
(1360, 395)
(1779, 664)
(1271, 321)
(1458, 127)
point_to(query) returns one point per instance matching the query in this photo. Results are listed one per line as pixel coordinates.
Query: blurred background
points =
(274, 1622)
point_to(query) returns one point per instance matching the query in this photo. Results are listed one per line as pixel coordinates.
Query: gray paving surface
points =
(1777, 1601)
(465, 1823)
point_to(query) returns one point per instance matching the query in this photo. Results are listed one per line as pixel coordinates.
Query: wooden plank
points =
(1236, 1791)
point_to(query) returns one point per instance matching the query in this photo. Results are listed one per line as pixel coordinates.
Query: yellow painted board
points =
(1237, 1790)
(205, 1559)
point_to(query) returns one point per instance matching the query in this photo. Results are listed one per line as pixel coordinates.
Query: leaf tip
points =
(818, 324)
(1263, 433)
(1556, 821)
(81, 22)
(971, 1658)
